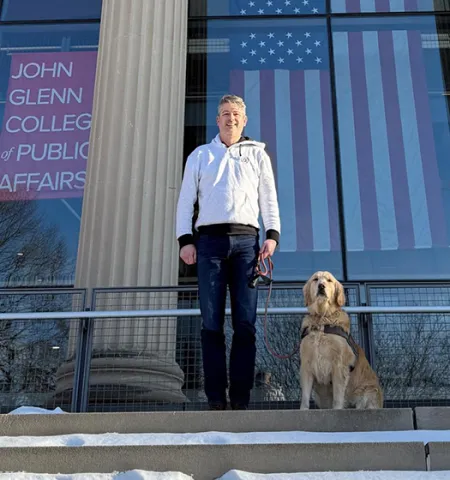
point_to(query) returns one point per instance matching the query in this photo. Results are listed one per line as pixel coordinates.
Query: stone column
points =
(132, 182)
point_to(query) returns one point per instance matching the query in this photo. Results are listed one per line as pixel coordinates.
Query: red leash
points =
(266, 274)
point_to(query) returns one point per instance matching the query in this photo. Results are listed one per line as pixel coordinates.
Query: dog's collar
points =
(333, 330)
(323, 316)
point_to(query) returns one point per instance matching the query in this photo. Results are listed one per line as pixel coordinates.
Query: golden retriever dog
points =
(333, 366)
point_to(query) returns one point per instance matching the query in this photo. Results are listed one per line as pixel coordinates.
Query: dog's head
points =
(323, 292)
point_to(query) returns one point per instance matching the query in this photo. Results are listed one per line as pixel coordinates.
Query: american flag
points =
(283, 75)
(357, 6)
(393, 184)
(393, 187)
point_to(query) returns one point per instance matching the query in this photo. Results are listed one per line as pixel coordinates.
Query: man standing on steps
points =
(232, 179)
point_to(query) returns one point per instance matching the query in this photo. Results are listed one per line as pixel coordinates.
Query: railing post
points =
(82, 367)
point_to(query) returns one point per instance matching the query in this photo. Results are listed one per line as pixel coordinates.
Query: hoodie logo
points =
(245, 159)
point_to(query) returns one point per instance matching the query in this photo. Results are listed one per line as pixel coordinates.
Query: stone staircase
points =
(210, 461)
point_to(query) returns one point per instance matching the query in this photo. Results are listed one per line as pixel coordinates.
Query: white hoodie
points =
(232, 185)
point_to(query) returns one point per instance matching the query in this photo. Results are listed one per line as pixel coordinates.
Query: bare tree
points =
(412, 355)
(29, 248)
(30, 354)
(30, 351)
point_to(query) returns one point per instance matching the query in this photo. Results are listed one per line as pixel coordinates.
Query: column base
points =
(127, 379)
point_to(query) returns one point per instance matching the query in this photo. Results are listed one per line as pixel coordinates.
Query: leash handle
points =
(266, 272)
(262, 272)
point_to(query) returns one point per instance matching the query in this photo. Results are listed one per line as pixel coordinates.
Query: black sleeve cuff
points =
(273, 235)
(186, 240)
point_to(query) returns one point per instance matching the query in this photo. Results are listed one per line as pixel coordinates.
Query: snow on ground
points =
(212, 438)
(388, 475)
(131, 475)
(34, 411)
(236, 475)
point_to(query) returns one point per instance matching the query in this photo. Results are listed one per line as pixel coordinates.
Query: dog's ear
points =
(307, 293)
(339, 294)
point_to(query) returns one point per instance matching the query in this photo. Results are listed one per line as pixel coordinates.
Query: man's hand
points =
(267, 249)
(189, 254)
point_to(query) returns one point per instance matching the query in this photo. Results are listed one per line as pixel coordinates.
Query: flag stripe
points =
(431, 176)
(317, 170)
(330, 161)
(370, 5)
(285, 161)
(338, 6)
(237, 82)
(396, 143)
(301, 164)
(416, 183)
(268, 124)
(380, 147)
(381, 6)
(252, 95)
(351, 188)
(352, 6)
(411, 6)
(397, 6)
(371, 231)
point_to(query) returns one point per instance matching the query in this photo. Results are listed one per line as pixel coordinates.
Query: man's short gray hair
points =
(232, 99)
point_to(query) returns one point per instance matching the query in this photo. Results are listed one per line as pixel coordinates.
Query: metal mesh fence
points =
(412, 351)
(133, 362)
(33, 352)
(156, 364)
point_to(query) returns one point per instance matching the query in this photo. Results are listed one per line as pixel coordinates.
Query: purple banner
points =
(44, 139)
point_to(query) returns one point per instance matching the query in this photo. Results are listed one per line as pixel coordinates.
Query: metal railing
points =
(139, 348)
(108, 314)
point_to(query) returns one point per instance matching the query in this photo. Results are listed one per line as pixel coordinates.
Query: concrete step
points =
(438, 455)
(194, 422)
(432, 418)
(207, 462)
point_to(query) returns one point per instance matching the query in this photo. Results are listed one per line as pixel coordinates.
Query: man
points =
(232, 179)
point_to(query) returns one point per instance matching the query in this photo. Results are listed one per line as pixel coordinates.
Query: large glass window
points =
(370, 6)
(258, 8)
(281, 69)
(392, 103)
(46, 89)
(22, 10)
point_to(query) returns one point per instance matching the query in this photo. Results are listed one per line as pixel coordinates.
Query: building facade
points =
(102, 102)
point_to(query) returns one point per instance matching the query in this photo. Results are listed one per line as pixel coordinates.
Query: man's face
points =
(231, 120)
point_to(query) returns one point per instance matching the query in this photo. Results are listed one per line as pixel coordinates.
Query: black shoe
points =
(217, 406)
(239, 406)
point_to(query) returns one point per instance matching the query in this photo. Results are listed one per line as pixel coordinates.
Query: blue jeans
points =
(221, 261)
